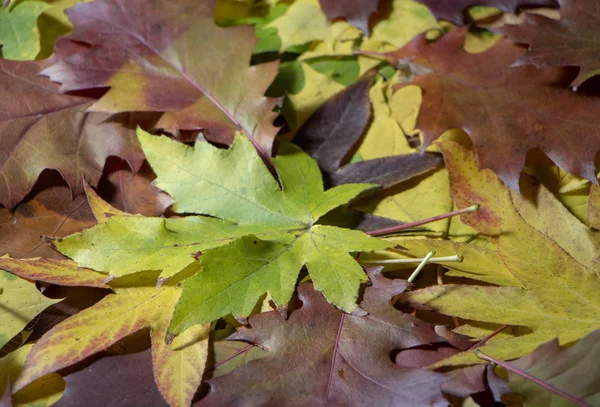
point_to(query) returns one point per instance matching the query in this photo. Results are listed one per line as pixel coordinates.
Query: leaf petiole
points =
(394, 229)
(534, 379)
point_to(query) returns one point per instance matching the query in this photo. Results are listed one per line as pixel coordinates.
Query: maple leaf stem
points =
(394, 229)
(265, 157)
(420, 266)
(238, 353)
(490, 336)
(534, 379)
(456, 258)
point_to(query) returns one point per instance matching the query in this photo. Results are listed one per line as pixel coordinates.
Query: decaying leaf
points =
(593, 213)
(159, 61)
(506, 111)
(320, 356)
(133, 192)
(177, 367)
(42, 392)
(206, 234)
(49, 212)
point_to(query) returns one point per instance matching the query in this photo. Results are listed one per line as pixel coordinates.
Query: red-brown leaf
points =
(573, 40)
(170, 56)
(124, 380)
(357, 12)
(506, 110)
(50, 212)
(42, 128)
(455, 10)
(321, 356)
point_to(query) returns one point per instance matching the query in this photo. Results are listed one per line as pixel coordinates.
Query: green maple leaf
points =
(258, 235)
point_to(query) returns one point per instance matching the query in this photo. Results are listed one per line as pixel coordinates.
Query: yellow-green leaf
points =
(275, 224)
(407, 18)
(127, 311)
(593, 214)
(19, 33)
(479, 263)
(53, 23)
(385, 136)
(61, 272)
(100, 208)
(317, 89)
(303, 22)
(130, 244)
(42, 392)
(20, 302)
(559, 278)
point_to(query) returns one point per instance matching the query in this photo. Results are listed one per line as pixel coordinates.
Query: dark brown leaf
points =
(132, 192)
(425, 355)
(331, 132)
(386, 171)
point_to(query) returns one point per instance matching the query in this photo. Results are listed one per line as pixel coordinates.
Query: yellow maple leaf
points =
(135, 305)
(542, 247)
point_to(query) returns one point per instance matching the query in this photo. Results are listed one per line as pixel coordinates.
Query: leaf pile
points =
(200, 201)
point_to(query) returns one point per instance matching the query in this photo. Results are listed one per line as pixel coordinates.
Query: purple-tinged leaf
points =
(357, 12)
(333, 130)
(6, 399)
(321, 356)
(574, 370)
(42, 128)
(386, 171)
(571, 41)
(115, 381)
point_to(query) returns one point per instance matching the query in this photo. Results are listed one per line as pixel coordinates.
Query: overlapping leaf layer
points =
(171, 172)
